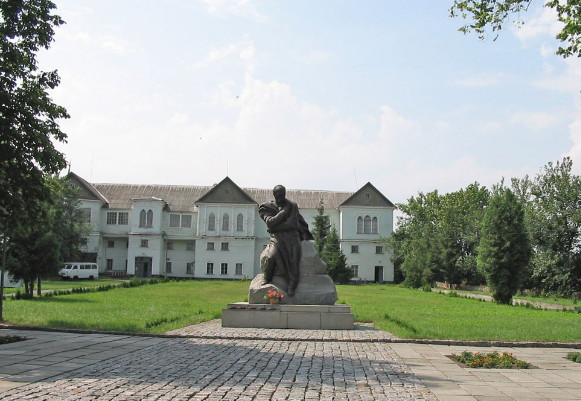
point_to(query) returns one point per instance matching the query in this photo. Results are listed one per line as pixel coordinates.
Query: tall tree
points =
(28, 116)
(321, 227)
(555, 225)
(504, 250)
(492, 15)
(335, 259)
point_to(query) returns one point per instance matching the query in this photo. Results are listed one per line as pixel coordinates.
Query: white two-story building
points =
(215, 231)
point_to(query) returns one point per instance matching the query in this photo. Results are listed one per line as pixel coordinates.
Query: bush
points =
(574, 356)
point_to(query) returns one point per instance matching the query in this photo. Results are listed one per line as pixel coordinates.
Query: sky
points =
(326, 94)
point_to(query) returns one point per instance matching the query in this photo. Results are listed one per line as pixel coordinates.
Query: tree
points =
(504, 250)
(28, 116)
(321, 228)
(493, 15)
(37, 246)
(554, 222)
(335, 259)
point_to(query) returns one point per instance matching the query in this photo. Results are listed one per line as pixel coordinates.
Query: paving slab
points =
(208, 362)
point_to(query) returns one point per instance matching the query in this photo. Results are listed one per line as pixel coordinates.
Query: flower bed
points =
(574, 356)
(10, 339)
(491, 360)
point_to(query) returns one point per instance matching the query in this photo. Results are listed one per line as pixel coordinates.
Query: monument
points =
(290, 265)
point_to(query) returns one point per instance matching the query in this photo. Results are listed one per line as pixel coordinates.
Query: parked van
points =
(77, 270)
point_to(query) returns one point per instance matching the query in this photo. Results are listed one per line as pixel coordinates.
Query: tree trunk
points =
(39, 287)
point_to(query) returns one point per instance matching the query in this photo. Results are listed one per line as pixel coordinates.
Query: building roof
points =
(183, 198)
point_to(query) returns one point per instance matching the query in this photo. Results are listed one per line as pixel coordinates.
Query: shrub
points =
(574, 356)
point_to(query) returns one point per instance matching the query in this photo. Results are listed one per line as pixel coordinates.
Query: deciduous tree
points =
(28, 116)
(485, 15)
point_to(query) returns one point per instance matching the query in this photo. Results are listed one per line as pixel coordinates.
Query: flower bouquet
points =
(273, 296)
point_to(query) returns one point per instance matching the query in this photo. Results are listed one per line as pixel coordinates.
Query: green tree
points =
(485, 15)
(28, 116)
(321, 228)
(554, 223)
(504, 250)
(336, 261)
(37, 247)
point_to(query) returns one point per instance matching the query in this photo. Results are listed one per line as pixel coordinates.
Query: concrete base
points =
(313, 317)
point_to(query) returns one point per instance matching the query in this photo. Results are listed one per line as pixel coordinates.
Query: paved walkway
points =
(208, 362)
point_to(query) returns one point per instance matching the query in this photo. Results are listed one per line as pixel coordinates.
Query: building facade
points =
(215, 231)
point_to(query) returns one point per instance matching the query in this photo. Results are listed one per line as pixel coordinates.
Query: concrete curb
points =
(503, 344)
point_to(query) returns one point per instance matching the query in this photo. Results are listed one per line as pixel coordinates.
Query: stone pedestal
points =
(312, 317)
(315, 286)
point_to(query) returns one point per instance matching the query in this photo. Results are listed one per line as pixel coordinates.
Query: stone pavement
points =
(208, 362)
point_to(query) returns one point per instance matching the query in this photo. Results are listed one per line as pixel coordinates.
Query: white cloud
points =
(116, 45)
(481, 79)
(544, 23)
(534, 121)
(244, 8)
(218, 54)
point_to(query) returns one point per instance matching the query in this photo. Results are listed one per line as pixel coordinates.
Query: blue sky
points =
(325, 94)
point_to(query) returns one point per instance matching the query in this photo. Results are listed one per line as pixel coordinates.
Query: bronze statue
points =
(287, 229)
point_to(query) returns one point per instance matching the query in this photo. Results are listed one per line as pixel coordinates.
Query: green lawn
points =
(404, 312)
(58, 284)
(417, 314)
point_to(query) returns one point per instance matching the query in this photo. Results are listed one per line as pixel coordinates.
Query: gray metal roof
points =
(182, 197)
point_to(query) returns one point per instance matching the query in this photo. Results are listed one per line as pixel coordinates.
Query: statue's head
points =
(279, 193)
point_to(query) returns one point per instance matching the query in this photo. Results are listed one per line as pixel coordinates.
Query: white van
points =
(77, 270)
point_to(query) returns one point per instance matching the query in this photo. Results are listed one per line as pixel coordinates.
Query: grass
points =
(416, 314)
(574, 356)
(58, 284)
(147, 309)
(404, 312)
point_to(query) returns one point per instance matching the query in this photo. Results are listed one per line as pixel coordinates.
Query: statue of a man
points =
(287, 229)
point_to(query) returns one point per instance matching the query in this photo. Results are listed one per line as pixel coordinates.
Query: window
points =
(190, 246)
(144, 243)
(111, 217)
(110, 244)
(355, 270)
(238, 269)
(123, 218)
(240, 222)
(354, 248)
(209, 268)
(368, 196)
(374, 225)
(169, 245)
(186, 221)
(168, 267)
(149, 218)
(224, 268)
(226, 222)
(224, 246)
(210, 246)
(190, 268)
(86, 212)
(142, 218)
(212, 222)
(109, 264)
(179, 220)
(174, 220)
(367, 225)
(378, 249)
(360, 225)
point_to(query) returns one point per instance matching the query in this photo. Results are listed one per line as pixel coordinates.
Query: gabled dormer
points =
(368, 196)
(366, 215)
(226, 210)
